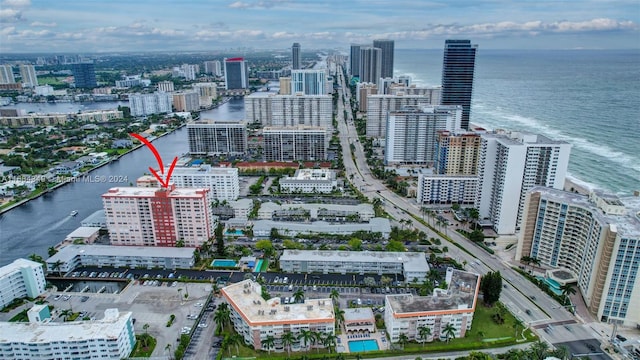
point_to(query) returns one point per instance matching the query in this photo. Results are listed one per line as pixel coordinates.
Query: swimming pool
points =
(363, 345)
(552, 284)
(223, 263)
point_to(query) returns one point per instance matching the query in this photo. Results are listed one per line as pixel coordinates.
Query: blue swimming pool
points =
(552, 284)
(223, 263)
(363, 345)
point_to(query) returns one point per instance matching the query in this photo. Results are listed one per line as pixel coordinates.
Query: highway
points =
(519, 295)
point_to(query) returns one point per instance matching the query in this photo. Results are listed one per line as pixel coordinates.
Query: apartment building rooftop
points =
(461, 294)
(109, 327)
(412, 261)
(16, 265)
(153, 191)
(67, 253)
(246, 299)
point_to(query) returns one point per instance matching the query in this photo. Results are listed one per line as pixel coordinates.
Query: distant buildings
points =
(363, 91)
(186, 101)
(187, 71)
(222, 181)
(131, 81)
(71, 257)
(217, 138)
(22, 278)
(294, 110)
(310, 181)
(158, 216)
(413, 265)
(236, 73)
(387, 47)
(412, 131)
(457, 75)
(407, 313)
(263, 228)
(285, 85)
(213, 68)
(379, 106)
(370, 64)
(354, 60)
(511, 164)
(594, 240)
(207, 92)
(297, 143)
(308, 82)
(111, 337)
(166, 86)
(257, 319)
(33, 120)
(84, 75)
(295, 56)
(149, 104)
(28, 74)
(99, 116)
(324, 212)
(6, 74)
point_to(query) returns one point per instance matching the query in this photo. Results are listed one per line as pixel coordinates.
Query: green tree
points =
(266, 246)
(51, 251)
(476, 236)
(65, 314)
(287, 340)
(59, 263)
(567, 290)
(339, 313)
(424, 332)
(334, 295)
(180, 243)
(268, 343)
(491, 285)
(298, 295)
(305, 337)
(219, 239)
(329, 340)
(403, 339)
(222, 317)
(449, 331)
(145, 327)
(236, 339)
(355, 244)
(395, 246)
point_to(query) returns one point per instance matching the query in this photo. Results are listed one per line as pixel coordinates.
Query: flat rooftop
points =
(358, 314)
(245, 297)
(146, 192)
(68, 252)
(83, 232)
(109, 327)
(412, 261)
(204, 170)
(381, 225)
(16, 265)
(461, 294)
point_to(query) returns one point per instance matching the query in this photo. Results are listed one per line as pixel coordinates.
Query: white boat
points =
(74, 213)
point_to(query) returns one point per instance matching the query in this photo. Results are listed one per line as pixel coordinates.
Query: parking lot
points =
(149, 304)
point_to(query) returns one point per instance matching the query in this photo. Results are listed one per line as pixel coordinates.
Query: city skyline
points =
(39, 26)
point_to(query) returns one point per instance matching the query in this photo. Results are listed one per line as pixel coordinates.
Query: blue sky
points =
(129, 25)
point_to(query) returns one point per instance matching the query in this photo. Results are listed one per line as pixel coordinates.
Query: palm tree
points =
(335, 295)
(403, 339)
(449, 331)
(305, 336)
(57, 265)
(236, 339)
(268, 343)
(65, 314)
(424, 332)
(539, 350)
(298, 295)
(35, 257)
(287, 339)
(329, 340)
(567, 290)
(145, 327)
(339, 316)
(562, 352)
(51, 251)
(222, 316)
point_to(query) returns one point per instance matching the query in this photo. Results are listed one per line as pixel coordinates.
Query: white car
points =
(197, 304)
(203, 325)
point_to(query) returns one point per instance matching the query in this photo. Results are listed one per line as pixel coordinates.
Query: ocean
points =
(589, 98)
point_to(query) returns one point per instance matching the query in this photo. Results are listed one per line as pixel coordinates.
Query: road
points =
(520, 294)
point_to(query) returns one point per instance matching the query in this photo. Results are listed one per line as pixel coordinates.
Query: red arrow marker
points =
(163, 182)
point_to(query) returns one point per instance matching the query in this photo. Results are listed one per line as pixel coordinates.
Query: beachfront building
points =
(111, 337)
(298, 143)
(595, 239)
(407, 313)
(457, 152)
(217, 138)
(139, 216)
(71, 257)
(22, 278)
(256, 319)
(447, 189)
(379, 106)
(309, 181)
(413, 265)
(263, 228)
(510, 164)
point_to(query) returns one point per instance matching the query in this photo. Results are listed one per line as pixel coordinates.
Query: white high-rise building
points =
(207, 92)
(592, 240)
(217, 138)
(186, 101)
(22, 278)
(309, 82)
(166, 86)
(6, 74)
(188, 71)
(379, 106)
(29, 77)
(294, 110)
(213, 67)
(298, 143)
(257, 108)
(111, 337)
(412, 132)
(510, 165)
(222, 181)
(147, 104)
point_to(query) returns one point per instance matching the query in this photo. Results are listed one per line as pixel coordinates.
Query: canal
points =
(45, 221)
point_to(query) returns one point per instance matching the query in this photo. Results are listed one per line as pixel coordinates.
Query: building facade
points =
(217, 138)
(379, 106)
(295, 57)
(387, 47)
(407, 313)
(310, 181)
(412, 131)
(294, 110)
(158, 216)
(111, 337)
(207, 93)
(285, 85)
(99, 116)
(186, 101)
(223, 182)
(309, 81)
(149, 104)
(370, 64)
(413, 265)
(457, 75)
(457, 153)
(447, 189)
(236, 73)
(257, 107)
(364, 90)
(263, 228)
(166, 86)
(256, 319)
(84, 75)
(213, 68)
(28, 74)
(511, 164)
(22, 278)
(298, 143)
(596, 238)
(6, 74)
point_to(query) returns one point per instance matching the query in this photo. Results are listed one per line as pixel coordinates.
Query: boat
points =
(74, 213)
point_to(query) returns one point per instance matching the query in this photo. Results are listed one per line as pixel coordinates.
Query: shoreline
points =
(71, 179)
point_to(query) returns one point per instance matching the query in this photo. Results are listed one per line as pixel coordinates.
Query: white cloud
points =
(264, 4)
(16, 3)
(43, 24)
(239, 5)
(10, 15)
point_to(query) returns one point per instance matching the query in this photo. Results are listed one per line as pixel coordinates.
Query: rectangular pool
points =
(223, 263)
(363, 345)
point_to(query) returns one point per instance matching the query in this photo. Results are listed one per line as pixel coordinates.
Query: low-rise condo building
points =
(22, 278)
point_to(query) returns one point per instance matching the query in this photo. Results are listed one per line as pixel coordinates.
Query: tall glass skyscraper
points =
(457, 75)
(84, 75)
(354, 60)
(387, 47)
(295, 56)
(236, 73)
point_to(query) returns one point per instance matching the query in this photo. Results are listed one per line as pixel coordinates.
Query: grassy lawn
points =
(250, 353)
(20, 317)
(140, 351)
(49, 80)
